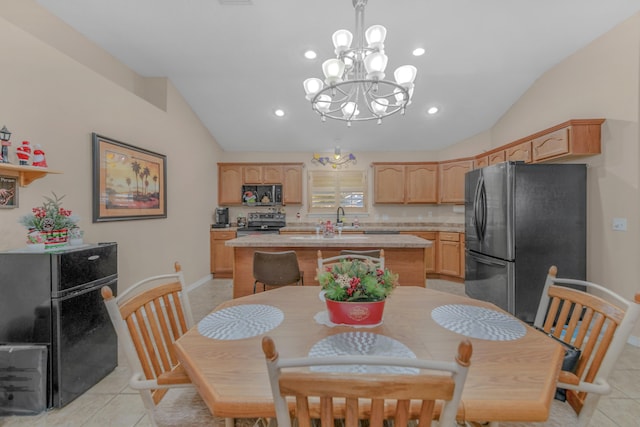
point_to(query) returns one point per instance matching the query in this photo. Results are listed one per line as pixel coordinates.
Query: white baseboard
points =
(199, 283)
(634, 341)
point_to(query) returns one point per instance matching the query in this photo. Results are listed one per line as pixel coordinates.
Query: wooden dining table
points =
(512, 376)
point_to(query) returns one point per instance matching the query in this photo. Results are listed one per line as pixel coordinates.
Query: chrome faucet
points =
(338, 218)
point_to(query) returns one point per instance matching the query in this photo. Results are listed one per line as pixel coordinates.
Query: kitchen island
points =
(404, 254)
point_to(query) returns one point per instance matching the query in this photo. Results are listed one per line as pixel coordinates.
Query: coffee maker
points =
(222, 218)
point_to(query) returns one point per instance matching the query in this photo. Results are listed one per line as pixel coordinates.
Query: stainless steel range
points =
(263, 223)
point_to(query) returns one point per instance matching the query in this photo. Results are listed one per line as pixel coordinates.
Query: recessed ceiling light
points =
(310, 54)
(418, 52)
(279, 113)
(432, 110)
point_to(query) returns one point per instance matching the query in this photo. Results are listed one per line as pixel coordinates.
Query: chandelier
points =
(354, 88)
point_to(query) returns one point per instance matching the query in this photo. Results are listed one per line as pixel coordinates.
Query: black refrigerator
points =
(520, 219)
(52, 300)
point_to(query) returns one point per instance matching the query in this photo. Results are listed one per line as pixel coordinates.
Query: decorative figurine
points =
(38, 157)
(24, 153)
(4, 137)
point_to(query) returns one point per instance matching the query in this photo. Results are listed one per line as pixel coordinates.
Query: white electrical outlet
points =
(620, 224)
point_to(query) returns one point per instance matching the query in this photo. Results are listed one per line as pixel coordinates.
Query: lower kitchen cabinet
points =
(449, 260)
(221, 255)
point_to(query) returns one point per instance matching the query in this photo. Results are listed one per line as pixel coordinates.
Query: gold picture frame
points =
(128, 182)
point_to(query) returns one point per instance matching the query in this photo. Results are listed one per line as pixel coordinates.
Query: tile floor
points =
(112, 403)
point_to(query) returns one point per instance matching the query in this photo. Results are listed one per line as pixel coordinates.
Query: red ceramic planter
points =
(355, 313)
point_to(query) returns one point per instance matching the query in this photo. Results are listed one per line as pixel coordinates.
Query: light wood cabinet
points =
(230, 180)
(25, 174)
(231, 177)
(481, 162)
(292, 184)
(388, 183)
(451, 176)
(221, 255)
(262, 174)
(497, 157)
(520, 152)
(574, 138)
(405, 183)
(449, 257)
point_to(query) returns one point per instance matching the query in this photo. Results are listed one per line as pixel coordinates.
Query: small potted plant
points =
(51, 221)
(355, 291)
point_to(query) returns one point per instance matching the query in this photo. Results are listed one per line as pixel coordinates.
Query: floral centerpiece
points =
(355, 291)
(49, 223)
(357, 280)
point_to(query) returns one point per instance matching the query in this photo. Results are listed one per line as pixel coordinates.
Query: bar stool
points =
(276, 269)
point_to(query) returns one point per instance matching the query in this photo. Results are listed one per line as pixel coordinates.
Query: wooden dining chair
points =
(374, 397)
(148, 318)
(348, 254)
(598, 322)
(276, 269)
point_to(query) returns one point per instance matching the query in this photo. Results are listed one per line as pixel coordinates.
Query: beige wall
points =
(51, 99)
(57, 96)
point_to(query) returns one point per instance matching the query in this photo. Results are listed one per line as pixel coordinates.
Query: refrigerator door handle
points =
(479, 208)
(487, 261)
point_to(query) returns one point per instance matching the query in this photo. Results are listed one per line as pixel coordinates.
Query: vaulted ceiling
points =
(236, 61)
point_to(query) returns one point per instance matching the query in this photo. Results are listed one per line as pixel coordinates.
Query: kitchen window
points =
(329, 190)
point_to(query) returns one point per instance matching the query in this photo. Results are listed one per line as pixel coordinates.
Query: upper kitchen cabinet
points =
(262, 174)
(405, 183)
(230, 180)
(451, 176)
(496, 157)
(232, 176)
(292, 184)
(574, 138)
(519, 153)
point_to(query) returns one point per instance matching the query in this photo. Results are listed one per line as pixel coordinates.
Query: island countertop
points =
(404, 254)
(344, 241)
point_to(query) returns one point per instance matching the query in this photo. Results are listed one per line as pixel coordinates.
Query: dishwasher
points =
(51, 300)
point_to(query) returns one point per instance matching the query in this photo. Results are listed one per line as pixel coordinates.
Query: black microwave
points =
(262, 195)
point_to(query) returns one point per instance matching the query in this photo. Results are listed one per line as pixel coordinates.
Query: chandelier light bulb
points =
(350, 109)
(342, 40)
(324, 103)
(375, 64)
(405, 74)
(379, 105)
(333, 70)
(375, 36)
(312, 86)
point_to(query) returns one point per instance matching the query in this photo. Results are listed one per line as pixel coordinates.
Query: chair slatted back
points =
(595, 325)
(374, 397)
(155, 320)
(149, 322)
(324, 263)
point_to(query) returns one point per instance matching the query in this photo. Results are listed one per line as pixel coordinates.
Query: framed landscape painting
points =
(128, 182)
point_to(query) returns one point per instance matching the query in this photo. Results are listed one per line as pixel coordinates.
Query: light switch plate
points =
(620, 224)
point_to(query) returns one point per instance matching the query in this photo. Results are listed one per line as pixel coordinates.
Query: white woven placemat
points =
(361, 343)
(478, 322)
(240, 321)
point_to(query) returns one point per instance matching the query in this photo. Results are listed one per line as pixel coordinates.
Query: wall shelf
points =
(26, 174)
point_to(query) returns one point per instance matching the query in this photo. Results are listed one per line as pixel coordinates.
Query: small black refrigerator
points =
(520, 219)
(51, 300)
